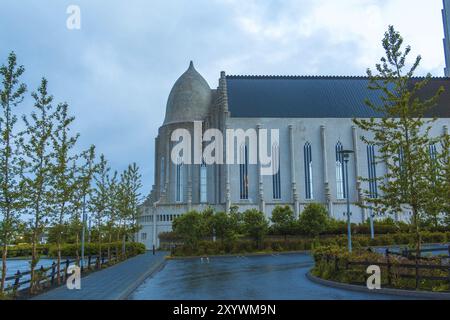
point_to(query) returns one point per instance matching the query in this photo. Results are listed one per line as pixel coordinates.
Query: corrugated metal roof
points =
(314, 97)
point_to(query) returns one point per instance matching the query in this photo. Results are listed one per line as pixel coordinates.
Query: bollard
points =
(388, 267)
(154, 249)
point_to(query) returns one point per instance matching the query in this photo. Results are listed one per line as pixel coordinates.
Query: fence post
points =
(66, 269)
(17, 280)
(42, 271)
(388, 261)
(53, 273)
(89, 262)
(417, 273)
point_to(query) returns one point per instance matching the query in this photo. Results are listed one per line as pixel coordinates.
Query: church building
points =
(313, 115)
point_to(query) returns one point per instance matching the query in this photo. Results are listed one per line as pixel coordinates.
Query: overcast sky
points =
(116, 72)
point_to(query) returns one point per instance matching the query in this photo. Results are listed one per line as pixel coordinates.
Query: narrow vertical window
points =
(340, 188)
(401, 158)
(372, 168)
(276, 177)
(203, 183)
(432, 151)
(179, 181)
(162, 177)
(308, 171)
(244, 172)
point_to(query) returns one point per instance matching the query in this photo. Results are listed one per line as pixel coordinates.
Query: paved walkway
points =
(277, 277)
(114, 283)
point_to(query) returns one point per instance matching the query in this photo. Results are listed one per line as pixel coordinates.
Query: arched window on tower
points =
(340, 188)
(179, 180)
(308, 171)
(162, 173)
(276, 177)
(401, 160)
(432, 151)
(203, 183)
(243, 172)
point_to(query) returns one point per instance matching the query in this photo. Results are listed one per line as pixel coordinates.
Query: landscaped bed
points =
(337, 264)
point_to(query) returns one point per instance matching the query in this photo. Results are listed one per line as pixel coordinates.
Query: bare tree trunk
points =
(4, 256)
(117, 244)
(33, 260)
(417, 232)
(58, 264)
(77, 252)
(109, 247)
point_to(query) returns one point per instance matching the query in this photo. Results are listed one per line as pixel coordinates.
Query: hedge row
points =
(70, 250)
(272, 245)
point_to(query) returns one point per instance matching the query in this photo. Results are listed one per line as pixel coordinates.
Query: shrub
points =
(255, 225)
(313, 220)
(283, 220)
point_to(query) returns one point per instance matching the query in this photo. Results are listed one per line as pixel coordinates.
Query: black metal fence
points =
(46, 277)
(415, 270)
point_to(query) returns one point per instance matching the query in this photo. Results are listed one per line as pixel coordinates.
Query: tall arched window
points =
(243, 172)
(372, 168)
(162, 177)
(203, 183)
(340, 187)
(276, 177)
(308, 171)
(432, 151)
(179, 180)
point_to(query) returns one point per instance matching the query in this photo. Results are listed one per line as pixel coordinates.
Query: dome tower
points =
(189, 99)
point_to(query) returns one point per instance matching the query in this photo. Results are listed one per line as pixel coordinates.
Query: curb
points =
(132, 287)
(387, 291)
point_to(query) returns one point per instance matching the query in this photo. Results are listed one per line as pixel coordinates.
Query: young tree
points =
(36, 144)
(112, 210)
(11, 95)
(133, 181)
(225, 227)
(208, 222)
(443, 174)
(189, 227)
(84, 191)
(63, 172)
(283, 220)
(313, 220)
(129, 200)
(99, 199)
(401, 134)
(255, 225)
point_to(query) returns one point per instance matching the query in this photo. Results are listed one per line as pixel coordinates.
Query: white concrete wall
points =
(304, 130)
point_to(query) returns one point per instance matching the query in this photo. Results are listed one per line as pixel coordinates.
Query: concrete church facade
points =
(314, 118)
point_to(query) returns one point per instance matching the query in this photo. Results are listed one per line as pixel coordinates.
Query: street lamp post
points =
(83, 231)
(346, 157)
(372, 231)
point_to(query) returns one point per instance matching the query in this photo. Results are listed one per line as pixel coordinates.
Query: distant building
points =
(314, 118)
